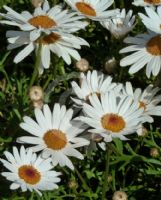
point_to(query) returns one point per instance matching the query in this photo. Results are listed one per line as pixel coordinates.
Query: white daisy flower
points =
(113, 116)
(93, 83)
(146, 2)
(29, 172)
(44, 20)
(55, 134)
(63, 45)
(95, 10)
(153, 19)
(148, 100)
(120, 25)
(147, 49)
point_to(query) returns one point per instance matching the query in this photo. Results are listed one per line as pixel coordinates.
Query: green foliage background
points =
(132, 168)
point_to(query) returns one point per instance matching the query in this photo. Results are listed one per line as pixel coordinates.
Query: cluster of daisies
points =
(109, 110)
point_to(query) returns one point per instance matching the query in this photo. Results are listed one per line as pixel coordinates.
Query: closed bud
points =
(110, 65)
(154, 152)
(82, 65)
(38, 104)
(119, 195)
(37, 3)
(72, 184)
(36, 93)
(142, 131)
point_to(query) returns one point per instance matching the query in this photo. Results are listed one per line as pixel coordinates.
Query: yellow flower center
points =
(29, 174)
(152, 1)
(48, 39)
(55, 139)
(42, 21)
(85, 9)
(113, 122)
(142, 105)
(153, 46)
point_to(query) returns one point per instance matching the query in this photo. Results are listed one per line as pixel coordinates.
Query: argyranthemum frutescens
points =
(148, 100)
(29, 172)
(44, 20)
(62, 44)
(121, 24)
(55, 134)
(152, 21)
(112, 115)
(147, 51)
(95, 10)
(146, 2)
(93, 82)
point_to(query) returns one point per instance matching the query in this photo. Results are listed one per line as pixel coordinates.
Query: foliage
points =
(132, 168)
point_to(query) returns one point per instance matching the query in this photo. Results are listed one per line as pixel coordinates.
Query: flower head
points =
(147, 99)
(55, 134)
(62, 44)
(146, 2)
(153, 19)
(44, 20)
(93, 83)
(112, 116)
(95, 10)
(147, 51)
(121, 24)
(29, 172)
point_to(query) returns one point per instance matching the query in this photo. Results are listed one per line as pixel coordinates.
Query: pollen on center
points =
(113, 122)
(55, 139)
(29, 174)
(153, 46)
(85, 9)
(42, 21)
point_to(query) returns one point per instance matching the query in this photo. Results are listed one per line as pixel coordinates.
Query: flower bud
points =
(119, 195)
(82, 65)
(36, 93)
(110, 65)
(154, 152)
(37, 3)
(72, 184)
(142, 131)
(38, 104)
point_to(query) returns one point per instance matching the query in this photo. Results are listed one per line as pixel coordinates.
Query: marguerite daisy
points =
(120, 25)
(93, 83)
(147, 99)
(55, 134)
(112, 116)
(146, 2)
(44, 20)
(147, 49)
(95, 10)
(63, 45)
(29, 172)
(153, 20)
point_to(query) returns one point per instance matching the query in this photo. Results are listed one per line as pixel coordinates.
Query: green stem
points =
(105, 174)
(84, 184)
(36, 66)
(47, 82)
